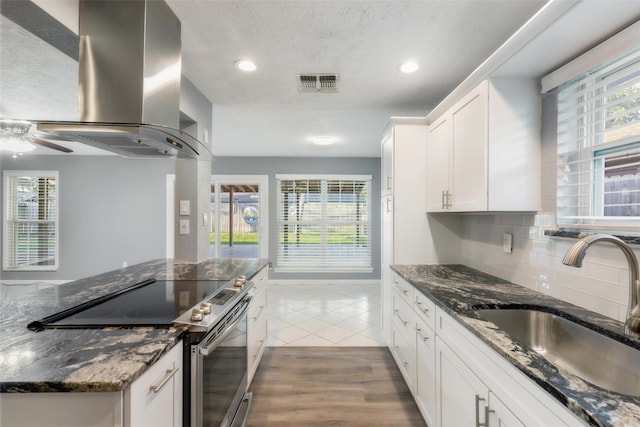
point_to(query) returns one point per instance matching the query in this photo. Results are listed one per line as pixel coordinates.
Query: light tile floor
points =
(324, 314)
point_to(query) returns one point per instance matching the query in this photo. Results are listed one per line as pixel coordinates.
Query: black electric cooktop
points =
(153, 303)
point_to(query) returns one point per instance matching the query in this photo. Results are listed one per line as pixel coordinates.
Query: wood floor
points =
(331, 386)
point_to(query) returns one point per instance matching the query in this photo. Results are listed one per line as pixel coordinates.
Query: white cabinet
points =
(475, 386)
(425, 386)
(413, 343)
(386, 184)
(404, 341)
(437, 168)
(484, 153)
(461, 396)
(155, 399)
(454, 377)
(257, 322)
(408, 235)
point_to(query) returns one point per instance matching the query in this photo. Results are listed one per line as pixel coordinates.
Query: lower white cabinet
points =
(463, 399)
(257, 322)
(425, 388)
(455, 378)
(155, 399)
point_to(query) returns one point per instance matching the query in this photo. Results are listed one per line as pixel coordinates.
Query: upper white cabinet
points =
(484, 153)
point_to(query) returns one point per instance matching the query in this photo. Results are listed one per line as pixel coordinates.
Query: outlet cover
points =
(507, 243)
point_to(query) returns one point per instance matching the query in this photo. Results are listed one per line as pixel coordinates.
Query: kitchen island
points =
(93, 360)
(458, 291)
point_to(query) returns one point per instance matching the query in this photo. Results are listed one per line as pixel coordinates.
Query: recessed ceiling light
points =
(409, 67)
(324, 140)
(245, 65)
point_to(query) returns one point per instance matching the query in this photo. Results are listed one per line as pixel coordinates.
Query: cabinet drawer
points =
(403, 320)
(404, 354)
(425, 308)
(156, 397)
(404, 288)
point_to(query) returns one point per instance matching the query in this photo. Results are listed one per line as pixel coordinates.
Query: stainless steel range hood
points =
(129, 81)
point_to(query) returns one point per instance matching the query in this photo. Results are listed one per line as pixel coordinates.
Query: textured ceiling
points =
(262, 114)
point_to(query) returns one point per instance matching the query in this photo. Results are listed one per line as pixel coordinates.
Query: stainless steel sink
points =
(590, 355)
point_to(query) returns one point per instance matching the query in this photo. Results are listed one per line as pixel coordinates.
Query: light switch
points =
(184, 226)
(507, 243)
(185, 207)
(205, 219)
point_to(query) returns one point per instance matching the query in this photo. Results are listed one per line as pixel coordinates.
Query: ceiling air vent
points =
(313, 83)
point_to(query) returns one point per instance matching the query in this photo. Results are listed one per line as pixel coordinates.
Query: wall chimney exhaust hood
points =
(129, 82)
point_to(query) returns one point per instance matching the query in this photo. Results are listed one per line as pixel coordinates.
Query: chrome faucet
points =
(574, 257)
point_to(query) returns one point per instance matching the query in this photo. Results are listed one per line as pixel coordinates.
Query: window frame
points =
(583, 165)
(8, 250)
(323, 263)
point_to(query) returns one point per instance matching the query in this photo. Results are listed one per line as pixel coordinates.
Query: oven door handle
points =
(207, 348)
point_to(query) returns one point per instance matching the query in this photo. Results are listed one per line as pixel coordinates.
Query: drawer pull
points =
(259, 313)
(425, 310)
(167, 376)
(400, 318)
(424, 338)
(478, 400)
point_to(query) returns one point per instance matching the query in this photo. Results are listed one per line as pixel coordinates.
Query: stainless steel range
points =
(215, 342)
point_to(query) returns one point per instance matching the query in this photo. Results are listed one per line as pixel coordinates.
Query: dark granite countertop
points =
(81, 360)
(459, 289)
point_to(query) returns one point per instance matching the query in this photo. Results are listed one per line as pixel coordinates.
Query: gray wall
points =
(111, 210)
(307, 165)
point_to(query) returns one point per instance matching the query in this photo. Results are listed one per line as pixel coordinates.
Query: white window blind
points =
(599, 147)
(30, 232)
(324, 223)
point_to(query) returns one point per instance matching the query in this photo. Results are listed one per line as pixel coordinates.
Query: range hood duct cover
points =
(129, 81)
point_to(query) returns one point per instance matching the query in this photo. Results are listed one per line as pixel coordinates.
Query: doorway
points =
(239, 216)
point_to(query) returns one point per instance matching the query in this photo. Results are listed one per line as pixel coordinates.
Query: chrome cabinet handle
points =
(443, 203)
(388, 183)
(425, 310)
(478, 400)
(419, 332)
(400, 318)
(448, 203)
(167, 376)
(259, 313)
(487, 411)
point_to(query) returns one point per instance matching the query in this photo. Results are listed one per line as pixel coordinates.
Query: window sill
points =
(631, 240)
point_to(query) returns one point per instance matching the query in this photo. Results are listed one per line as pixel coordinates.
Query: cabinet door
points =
(500, 415)
(437, 166)
(425, 390)
(387, 165)
(460, 395)
(469, 151)
(155, 399)
(257, 326)
(387, 260)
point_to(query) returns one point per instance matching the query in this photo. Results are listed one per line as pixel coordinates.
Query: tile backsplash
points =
(601, 285)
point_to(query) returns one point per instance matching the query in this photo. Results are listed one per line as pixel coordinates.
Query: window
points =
(30, 220)
(324, 223)
(599, 147)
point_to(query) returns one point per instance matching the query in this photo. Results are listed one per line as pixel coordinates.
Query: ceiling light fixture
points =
(409, 67)
(13, 137)
(245, 65)
(324, 140)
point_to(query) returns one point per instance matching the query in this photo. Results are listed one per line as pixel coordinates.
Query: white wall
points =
(601, 285)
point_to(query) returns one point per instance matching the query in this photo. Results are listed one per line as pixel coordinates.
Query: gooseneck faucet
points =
(574, 257)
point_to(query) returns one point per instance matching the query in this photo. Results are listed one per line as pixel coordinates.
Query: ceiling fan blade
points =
(49, 144)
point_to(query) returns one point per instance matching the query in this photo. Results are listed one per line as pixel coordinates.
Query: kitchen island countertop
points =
(93, 360)
(459, 290)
